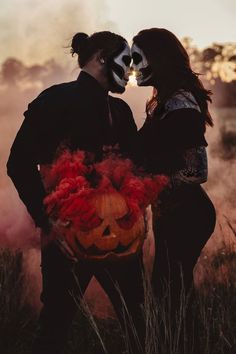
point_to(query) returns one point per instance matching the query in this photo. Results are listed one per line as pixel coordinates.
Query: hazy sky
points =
(203, 20)
(35, 30)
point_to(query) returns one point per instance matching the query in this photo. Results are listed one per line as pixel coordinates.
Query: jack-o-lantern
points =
(111, 239)
(99, 206)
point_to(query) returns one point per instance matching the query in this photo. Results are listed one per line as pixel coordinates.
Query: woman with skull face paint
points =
(80, 115)
(172, 142)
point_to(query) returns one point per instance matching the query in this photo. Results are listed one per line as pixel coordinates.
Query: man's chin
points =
(117, 89)
(141, 83)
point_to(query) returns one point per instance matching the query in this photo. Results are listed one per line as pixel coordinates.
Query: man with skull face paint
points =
(172, 142)
(81, 115)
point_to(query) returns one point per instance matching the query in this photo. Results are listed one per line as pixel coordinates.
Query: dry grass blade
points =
(82, 305)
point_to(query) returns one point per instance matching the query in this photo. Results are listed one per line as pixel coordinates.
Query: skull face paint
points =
(119, 69)
(141, 66)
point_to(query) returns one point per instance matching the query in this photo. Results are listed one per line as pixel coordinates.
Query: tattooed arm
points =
(195, 169)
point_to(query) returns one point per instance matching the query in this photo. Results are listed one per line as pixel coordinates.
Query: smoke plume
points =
(49, 27)
(21, 81)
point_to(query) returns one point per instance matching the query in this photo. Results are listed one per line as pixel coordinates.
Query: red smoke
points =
(20, 84)
(74, 180)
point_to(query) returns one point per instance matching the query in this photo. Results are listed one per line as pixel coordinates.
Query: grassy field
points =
(215, 311)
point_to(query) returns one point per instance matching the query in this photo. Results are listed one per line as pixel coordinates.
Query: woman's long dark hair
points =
(171, 67)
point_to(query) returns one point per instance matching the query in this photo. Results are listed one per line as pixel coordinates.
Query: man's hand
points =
(55, 235)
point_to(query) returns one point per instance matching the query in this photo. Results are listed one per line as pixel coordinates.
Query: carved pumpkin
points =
(101, 203)
(109, 240)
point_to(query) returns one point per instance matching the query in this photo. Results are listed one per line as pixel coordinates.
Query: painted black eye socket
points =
(137, 58)
(126, 59)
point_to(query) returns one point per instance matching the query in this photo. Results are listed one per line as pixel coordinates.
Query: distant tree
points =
(217, 65)
(13, 71)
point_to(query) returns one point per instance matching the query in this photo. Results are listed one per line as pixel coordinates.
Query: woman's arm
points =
(195, 170)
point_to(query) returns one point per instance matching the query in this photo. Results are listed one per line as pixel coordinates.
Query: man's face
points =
(119, 69)
(141, 66)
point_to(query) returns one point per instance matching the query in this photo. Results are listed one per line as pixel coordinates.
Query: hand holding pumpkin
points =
(55, 235)
(59, 230)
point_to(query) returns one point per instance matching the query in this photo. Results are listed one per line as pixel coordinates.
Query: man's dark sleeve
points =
(22, 166)
(128, 138)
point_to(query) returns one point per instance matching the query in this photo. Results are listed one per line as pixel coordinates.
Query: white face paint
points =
(139, 65)
(122, 71)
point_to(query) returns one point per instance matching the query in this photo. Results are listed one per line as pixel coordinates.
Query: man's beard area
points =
(112, 67)
(117, 67)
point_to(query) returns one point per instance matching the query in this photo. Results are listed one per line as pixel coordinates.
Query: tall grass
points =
(17, 319)
(165, 334)
(214, 316)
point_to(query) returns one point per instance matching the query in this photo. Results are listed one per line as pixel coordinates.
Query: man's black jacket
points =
(75, 113)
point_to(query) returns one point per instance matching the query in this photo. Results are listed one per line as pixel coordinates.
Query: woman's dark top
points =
(77, 114)
(172, 142)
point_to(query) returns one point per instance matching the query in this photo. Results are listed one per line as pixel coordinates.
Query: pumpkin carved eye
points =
(127, 221)
(91, 224)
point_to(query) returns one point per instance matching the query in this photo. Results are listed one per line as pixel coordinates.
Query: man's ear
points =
(100, 58)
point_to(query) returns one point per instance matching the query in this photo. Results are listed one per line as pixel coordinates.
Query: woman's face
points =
(141, 66)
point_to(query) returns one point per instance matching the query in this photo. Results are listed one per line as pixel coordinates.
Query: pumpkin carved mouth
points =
(93, 251)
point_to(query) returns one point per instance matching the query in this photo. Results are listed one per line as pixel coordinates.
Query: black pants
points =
(180, 234)
(59, 307)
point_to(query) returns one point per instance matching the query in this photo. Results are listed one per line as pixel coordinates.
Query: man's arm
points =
(22, 167)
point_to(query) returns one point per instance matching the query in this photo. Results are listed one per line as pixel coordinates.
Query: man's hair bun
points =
(79, 41)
